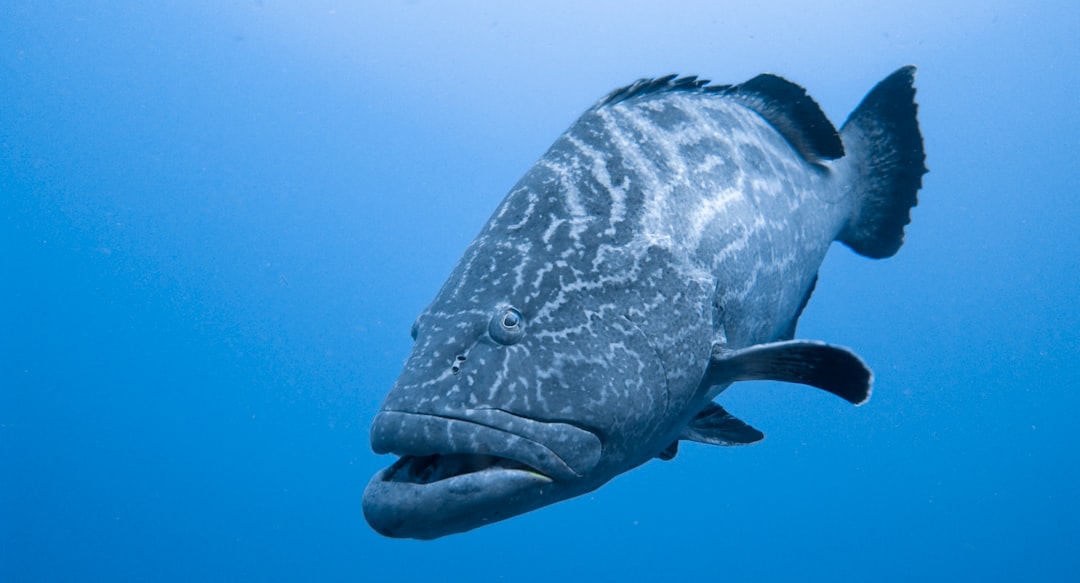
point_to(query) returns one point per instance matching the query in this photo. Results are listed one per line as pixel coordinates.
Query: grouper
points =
(662, 249)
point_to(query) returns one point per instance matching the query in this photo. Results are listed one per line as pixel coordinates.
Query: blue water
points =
(218, 221)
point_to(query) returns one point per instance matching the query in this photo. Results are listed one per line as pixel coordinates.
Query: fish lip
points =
(557, 450)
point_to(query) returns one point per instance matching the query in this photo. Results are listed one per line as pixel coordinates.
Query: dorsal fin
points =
(782, 103)
(665, 84)
(793, 113)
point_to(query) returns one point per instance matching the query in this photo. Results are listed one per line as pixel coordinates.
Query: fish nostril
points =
(456, 367)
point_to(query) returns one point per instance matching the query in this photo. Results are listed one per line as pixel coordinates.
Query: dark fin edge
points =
(885, 165)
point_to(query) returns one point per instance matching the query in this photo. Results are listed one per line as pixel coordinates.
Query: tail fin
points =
(884, 165)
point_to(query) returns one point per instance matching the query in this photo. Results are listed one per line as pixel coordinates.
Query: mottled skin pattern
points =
(655, 229)
(650, 230)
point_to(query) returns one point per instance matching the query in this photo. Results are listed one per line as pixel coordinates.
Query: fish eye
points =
(507, 326)
(415, 329)
(511, 319)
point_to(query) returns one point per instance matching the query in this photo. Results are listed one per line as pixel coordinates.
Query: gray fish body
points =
(630, 276)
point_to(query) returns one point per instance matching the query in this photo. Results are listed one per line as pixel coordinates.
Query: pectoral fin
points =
(829, 368)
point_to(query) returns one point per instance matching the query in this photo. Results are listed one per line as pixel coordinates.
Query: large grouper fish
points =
(661, 250)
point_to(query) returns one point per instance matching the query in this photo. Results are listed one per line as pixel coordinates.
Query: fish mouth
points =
(461, 470)
(429, 469)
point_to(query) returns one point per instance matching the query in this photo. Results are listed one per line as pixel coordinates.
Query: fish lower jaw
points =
(398, 503)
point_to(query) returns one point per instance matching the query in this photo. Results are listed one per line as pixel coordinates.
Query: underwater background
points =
(219, 219)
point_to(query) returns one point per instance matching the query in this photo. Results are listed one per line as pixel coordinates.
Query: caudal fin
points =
(883, 166)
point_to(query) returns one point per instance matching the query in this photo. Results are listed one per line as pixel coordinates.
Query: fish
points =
(662, 249)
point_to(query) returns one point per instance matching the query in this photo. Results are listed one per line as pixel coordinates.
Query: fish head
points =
(510, 402)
